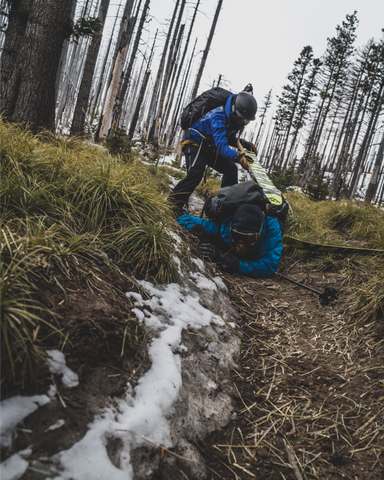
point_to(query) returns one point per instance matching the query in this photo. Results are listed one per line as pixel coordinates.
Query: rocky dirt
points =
(299, 396)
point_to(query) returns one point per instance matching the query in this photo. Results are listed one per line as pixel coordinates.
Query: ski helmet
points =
(245, 106)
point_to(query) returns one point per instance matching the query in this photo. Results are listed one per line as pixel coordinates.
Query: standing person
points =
(208, 142)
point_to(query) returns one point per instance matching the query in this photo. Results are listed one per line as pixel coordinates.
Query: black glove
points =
(229, 263)
(200, 232)
(248, 146)
(243, 160)
(209, 250)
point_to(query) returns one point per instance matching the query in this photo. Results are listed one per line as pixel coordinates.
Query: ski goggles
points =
(243, 237)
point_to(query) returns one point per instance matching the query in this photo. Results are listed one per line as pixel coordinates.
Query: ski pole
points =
(329, 295)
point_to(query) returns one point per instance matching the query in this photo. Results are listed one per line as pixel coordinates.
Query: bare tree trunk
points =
(77, 127)
(164, 90)
(31, 89)
(99, 84)
(118, 68)
(17, 23)
(138, 105)
(374, 182)
(152, 110)
(122, 92)
(172, 135)
(206, 51)
(168, 70)
(174, 85)
(264, 109)
(367, 139)
(63, 57)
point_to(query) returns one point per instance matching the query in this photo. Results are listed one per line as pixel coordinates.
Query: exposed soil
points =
(308, 388)
(310, 385)
(98, 321)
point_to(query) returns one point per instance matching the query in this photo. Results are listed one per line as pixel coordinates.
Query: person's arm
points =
(189, 221)
(219, 134)
(269, 254)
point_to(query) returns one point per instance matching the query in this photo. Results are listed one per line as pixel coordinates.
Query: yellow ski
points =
(258, 173)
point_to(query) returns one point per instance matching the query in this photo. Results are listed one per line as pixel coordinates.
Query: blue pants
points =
(195, 169)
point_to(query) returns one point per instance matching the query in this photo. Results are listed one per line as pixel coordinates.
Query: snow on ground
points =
(145, 414)
(56, 364)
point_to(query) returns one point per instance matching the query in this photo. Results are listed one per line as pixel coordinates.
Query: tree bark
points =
(206, 51)
(152, 109)
(374, 182)
(172, 92)
(17, 23)
(170, 64)
(117, 71)
(121, 94)
(30, 91)
(138, 105)
(77, 127)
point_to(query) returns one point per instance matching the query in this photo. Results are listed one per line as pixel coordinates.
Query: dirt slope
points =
(305, 393)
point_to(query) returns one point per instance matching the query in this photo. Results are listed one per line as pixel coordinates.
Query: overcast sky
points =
(258, 41)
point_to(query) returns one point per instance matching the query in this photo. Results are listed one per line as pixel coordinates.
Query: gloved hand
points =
(243, 160)
(209, 250)
(200, 232)
(229, 263)
(248, 146)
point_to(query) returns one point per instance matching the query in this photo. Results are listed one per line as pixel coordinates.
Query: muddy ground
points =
(307, 389)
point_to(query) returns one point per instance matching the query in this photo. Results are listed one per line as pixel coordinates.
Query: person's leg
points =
(183, 190)
(227, 168)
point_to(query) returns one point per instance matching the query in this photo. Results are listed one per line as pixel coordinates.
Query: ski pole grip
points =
(239, 146)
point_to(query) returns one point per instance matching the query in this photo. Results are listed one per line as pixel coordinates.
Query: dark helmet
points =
(245, 106)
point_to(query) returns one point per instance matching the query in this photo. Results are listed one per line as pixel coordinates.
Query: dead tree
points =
(77, 127)
(117, 108)
(182, 92)
(168, 70)
(175, 82)
(126, 27)
(206, 51)
(374, 182)
(152, 110)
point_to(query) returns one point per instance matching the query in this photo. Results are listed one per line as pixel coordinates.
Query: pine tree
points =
(374, 110)
(336, 62)
(289, 100)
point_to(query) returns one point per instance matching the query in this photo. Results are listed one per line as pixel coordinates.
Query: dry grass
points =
(303, 433)
(73, 205)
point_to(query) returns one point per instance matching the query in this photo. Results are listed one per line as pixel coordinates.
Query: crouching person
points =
(246, 242)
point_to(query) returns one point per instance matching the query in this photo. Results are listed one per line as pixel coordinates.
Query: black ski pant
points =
(196, 162)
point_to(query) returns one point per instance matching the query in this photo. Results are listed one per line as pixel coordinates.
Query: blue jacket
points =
(216, 125)
(264, 258)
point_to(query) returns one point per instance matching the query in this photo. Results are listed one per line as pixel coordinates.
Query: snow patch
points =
(199, 263)
(142, 418)
(56, 365)
(13, 411)
(13, 468)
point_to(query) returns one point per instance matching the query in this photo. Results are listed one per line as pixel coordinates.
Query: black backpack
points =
(250, 192)
(207, 101)
(230, 198)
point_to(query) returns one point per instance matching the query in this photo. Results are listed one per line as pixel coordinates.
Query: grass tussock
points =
(335, 222)
(71, 204)
(210, 187)
(366, 280)
(345, 223)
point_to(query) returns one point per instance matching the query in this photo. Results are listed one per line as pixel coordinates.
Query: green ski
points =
(316, 247)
